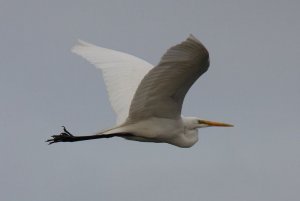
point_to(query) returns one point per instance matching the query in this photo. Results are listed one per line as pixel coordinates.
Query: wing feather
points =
(122, 74)
(162, 91)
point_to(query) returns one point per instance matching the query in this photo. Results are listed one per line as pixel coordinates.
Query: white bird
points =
(148, 100)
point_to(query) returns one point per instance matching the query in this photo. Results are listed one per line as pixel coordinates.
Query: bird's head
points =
(193, 123)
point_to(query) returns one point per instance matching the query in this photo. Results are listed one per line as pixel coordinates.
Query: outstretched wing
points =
(162, 91)
(122, 74)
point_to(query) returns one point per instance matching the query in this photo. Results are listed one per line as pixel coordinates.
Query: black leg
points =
(66, 136)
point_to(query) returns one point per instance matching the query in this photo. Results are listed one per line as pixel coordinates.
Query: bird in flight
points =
(148, 99)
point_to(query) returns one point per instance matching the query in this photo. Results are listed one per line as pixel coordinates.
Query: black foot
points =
(65, 136)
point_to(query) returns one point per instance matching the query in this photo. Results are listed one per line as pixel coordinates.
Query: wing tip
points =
(83, 43)
(194, 39)
(80, 44)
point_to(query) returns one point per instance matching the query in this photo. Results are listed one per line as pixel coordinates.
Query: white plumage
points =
(122, 74)
(148, 100)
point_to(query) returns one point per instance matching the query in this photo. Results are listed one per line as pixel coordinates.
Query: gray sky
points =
(253, 82)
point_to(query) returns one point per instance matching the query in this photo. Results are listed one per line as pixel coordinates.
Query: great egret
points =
(147, 99)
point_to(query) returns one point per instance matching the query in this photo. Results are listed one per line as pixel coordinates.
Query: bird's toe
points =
(65, 136)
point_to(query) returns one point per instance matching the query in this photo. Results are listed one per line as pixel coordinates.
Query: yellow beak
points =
(212, 123)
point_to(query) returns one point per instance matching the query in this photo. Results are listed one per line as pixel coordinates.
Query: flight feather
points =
(122, 74)
(162, 90)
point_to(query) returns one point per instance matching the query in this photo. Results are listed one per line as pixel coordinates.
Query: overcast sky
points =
(253, 82)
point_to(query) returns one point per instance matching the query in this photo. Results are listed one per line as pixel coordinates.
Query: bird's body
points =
(157, 130)
(148, 100)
